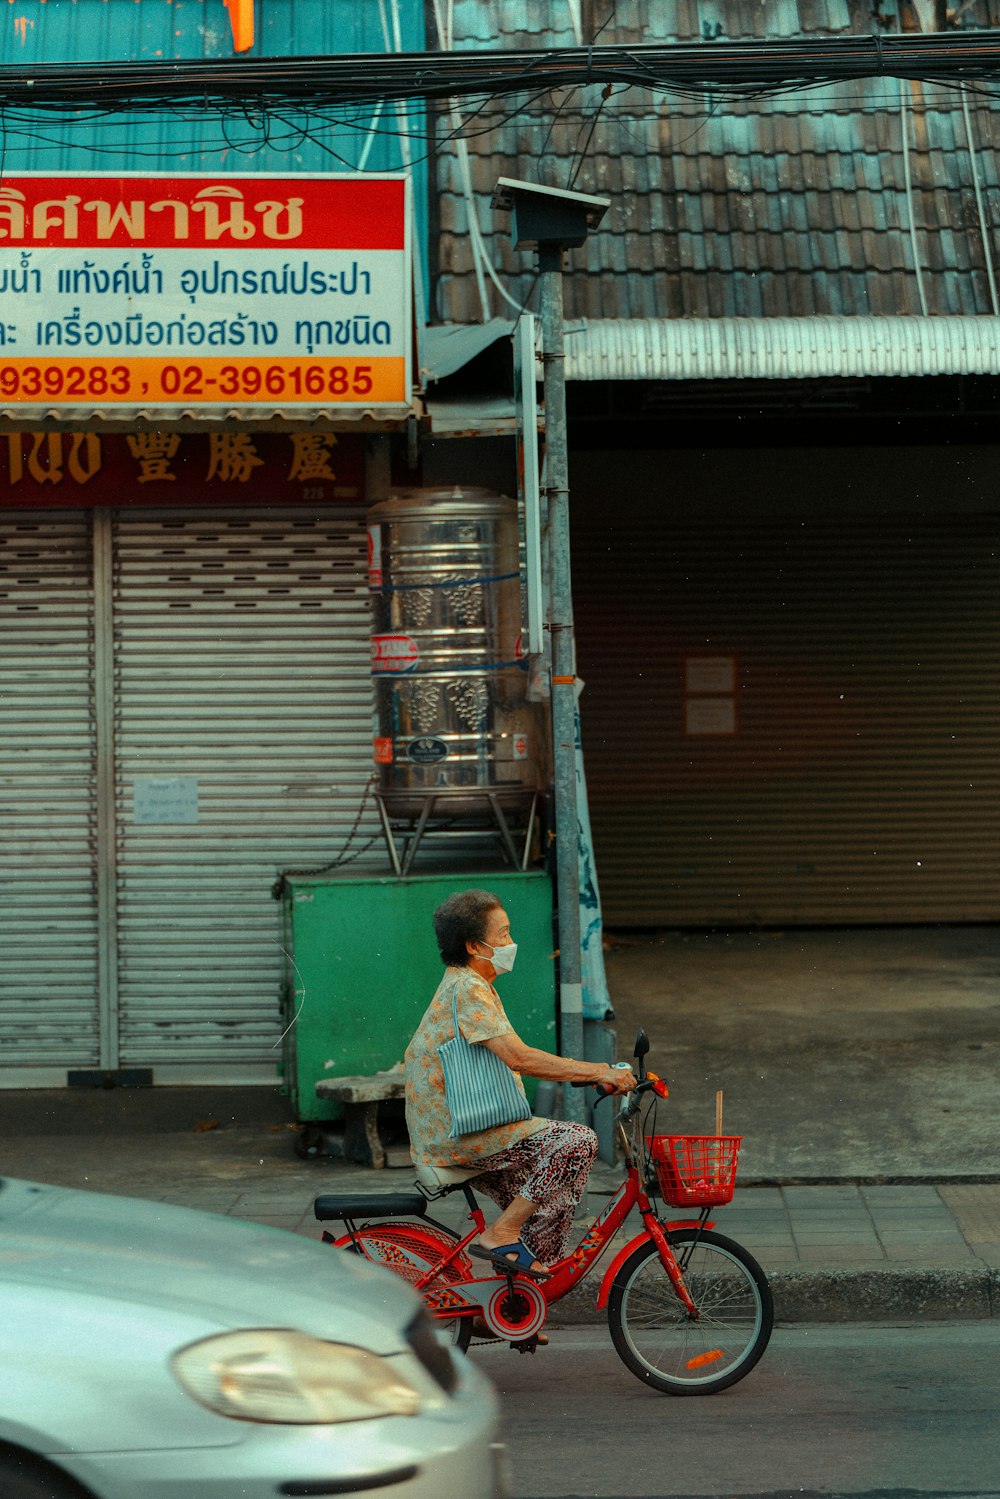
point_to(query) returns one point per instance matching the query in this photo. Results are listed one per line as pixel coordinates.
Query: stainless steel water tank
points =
(450, 681)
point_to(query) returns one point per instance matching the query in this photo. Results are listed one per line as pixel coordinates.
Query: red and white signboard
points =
(220, 295)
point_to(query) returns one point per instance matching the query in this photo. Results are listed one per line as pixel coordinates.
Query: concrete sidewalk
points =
(833, 1252)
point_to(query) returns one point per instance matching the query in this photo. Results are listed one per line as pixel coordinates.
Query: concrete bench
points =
(361, 1097)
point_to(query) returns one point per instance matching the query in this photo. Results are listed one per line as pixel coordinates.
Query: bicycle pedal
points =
(526, 1345)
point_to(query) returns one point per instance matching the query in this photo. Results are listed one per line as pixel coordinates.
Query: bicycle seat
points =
(369, 1205)
(439, 1178)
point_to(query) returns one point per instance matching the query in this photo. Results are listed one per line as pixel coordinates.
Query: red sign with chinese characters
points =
(65, 469)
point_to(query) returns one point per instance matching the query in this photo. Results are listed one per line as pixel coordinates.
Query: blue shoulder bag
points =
(481, 1090)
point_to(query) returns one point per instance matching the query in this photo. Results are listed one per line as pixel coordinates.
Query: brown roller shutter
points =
(790, 713)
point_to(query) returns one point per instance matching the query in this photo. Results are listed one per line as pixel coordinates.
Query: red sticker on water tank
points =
(374, 557)
(393, 653)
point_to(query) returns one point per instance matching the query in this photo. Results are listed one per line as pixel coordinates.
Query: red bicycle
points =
(689, 1310)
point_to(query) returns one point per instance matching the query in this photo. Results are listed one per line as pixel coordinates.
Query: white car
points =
(159, 1352)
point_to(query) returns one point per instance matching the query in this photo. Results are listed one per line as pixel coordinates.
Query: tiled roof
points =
(802, 205)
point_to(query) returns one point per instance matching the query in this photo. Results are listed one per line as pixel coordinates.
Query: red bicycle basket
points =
(695, 1170)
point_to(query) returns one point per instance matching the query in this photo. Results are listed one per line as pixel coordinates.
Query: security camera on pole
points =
(554, 221)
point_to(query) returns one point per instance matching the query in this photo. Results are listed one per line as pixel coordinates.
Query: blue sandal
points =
(517, 1257)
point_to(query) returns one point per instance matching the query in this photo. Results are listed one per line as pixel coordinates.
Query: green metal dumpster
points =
(363, 966)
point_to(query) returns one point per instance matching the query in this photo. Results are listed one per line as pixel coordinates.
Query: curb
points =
(886, 1295)
(873, 1295)
(875, 1179)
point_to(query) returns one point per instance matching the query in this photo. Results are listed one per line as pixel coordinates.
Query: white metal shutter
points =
(48, 910)
(242, 650)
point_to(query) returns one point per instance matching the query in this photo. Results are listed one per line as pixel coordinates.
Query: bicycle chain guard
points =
(513, 1308)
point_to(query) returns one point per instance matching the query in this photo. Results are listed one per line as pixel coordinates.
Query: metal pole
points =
(107, 848)
(563, 671)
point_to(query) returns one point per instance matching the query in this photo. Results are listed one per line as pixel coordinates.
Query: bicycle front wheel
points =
(662, 1344)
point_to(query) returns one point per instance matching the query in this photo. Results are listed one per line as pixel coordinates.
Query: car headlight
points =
(275, 1374)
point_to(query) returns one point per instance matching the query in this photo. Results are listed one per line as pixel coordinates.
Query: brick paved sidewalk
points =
(832, 1252)
(850, 1226)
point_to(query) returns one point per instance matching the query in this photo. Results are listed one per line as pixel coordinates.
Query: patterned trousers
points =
(550, 1168)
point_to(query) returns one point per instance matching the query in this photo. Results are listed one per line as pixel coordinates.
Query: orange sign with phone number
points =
(375, 382)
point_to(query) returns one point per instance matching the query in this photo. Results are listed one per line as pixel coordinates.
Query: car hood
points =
(219, 1271)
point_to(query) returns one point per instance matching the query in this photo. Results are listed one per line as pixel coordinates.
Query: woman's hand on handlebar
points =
(616, 1080)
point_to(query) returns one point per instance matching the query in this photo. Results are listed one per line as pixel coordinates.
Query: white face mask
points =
(503, 957)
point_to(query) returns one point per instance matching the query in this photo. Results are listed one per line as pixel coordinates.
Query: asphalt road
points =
(857, 1412)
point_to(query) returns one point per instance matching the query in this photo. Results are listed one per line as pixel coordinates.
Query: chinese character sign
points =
(176, 293)
(45, 469)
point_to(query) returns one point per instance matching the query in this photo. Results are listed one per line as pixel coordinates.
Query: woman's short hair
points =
(461, 919)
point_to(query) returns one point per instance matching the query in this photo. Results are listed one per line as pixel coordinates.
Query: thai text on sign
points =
(187, 291)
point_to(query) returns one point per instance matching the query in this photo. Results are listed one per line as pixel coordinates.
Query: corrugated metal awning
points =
(715, 349)
(780, 348)
(49, 418)
(743, 348)
(449, 347)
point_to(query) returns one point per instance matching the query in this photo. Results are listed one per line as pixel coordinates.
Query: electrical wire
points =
(285, 126)
(482, 262)
(733, 70)
(983, 226)
(405, 154)
(581, 151)
(62, 131)
(908, 196)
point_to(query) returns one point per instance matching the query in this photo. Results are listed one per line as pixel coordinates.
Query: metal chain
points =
(277, 890)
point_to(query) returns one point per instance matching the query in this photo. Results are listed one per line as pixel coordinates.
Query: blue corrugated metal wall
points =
(90, 31)
(97, 30)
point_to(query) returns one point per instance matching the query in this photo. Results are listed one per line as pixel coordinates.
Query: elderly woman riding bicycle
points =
(535, 1169)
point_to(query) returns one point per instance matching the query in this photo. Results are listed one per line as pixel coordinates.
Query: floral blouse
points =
(480, 1017)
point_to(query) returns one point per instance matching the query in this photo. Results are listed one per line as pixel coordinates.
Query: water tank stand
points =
(435, 817)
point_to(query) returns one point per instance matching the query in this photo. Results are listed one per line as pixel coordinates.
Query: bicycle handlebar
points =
(642, 1086)
(601, 1091)
(646, 1080)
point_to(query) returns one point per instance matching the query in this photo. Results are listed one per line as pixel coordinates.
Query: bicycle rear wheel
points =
(666, 1348)
(409, 1250)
